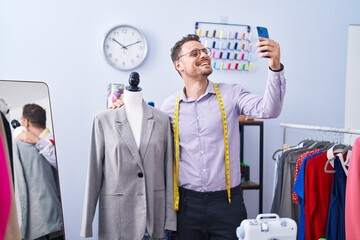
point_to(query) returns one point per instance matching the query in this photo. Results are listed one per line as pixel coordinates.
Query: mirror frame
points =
(17, 93)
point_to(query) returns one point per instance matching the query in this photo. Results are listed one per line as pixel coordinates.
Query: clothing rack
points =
(317, 128)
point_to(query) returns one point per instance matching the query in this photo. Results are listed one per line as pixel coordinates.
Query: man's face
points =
(193, 60)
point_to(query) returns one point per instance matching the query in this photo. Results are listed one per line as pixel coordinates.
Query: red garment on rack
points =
(295, 197)
(318, 185)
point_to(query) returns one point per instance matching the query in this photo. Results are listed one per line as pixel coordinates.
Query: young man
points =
(205, 117)
(34, 120)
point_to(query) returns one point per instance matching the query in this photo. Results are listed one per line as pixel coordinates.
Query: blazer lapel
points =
(124, 128)
(147, 128)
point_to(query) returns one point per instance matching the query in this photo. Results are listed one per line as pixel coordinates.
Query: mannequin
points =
(130, 177)
(133, 99)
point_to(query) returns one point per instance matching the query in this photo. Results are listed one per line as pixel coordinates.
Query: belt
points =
(215, 194)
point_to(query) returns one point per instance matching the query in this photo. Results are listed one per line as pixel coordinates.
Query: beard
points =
(206, 72)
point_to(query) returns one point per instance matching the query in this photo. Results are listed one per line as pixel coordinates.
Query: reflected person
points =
(34, 121)
(36, 186)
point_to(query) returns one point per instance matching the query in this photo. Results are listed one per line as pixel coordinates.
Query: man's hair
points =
(35, 114)
(175, 50)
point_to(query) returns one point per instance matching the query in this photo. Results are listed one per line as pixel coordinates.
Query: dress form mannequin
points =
(133, 99)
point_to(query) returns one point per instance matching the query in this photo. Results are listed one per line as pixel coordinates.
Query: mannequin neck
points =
(134, 112)
(133, 99)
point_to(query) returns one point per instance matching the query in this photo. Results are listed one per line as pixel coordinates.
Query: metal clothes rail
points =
(318, 128)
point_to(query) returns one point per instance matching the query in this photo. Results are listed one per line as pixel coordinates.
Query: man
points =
(205, 117)
(34, 120)
(211, 204)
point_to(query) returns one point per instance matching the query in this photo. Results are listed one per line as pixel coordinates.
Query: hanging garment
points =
(295, 197)
(5, 199)
(280, 162)
(41, 211)
(12, 228)
(352, 196)
(282, 180)
(134, 186)
(8, 140)
(317, 197)
(299, 189)
(335, 229)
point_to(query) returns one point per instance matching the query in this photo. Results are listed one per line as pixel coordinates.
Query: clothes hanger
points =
(331, 156)
(347, 150)
(305, 143)
(337, 149)
(302, 143)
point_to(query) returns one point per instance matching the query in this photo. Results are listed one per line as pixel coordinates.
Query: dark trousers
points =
(208, 215)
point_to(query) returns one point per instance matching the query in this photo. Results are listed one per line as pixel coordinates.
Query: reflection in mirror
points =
(26, 130)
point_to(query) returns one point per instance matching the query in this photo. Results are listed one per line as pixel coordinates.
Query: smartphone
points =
(262, 32)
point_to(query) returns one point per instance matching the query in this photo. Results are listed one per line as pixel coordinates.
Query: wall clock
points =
(125, 47)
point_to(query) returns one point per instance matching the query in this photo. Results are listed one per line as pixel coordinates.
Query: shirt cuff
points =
(41, 144)
(281, 68)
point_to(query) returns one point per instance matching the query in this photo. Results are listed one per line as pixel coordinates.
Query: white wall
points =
(352, 87)
(58, 42)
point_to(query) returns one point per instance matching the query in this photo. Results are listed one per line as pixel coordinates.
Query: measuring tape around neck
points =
(177, 147)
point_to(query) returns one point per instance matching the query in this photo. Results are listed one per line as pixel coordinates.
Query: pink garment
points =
(4, 191)
(352, 197)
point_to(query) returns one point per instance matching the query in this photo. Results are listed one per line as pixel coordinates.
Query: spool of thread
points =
(213, 54)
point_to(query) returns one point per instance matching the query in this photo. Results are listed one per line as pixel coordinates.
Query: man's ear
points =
(178, 65)
(26, 122)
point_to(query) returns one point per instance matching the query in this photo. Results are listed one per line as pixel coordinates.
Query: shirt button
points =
(140, 174)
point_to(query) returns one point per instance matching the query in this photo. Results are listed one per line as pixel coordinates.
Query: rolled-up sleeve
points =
(268, 106)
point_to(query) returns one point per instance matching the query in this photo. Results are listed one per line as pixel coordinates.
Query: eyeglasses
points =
(197, 52)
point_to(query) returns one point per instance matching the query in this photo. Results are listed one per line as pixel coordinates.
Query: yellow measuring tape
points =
(177, 147)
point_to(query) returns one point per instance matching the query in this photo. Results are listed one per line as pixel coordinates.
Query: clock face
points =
(125, 47)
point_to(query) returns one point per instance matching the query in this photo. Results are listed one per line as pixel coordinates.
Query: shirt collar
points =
(209, 90)
(44, 133)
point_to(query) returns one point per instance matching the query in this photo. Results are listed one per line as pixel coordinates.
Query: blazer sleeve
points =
(94, 177)
(170, 223)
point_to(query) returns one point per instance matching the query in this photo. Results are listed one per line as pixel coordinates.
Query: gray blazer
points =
(40, 206)
(134, 187)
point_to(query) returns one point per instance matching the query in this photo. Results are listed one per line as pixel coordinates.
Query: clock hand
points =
(119, 43)
(132, 44)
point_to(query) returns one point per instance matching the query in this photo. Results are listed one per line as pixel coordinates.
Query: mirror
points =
(34, 166)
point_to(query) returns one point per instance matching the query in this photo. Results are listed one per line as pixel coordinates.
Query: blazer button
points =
(140, 174)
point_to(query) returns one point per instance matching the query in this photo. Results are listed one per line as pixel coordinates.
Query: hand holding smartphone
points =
(262, 32)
